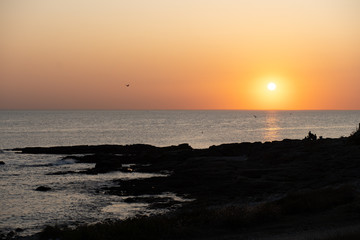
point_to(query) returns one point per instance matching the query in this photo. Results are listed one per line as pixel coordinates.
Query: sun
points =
(271, 86)
(270, 92)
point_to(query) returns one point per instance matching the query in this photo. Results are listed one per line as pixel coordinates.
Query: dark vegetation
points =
(353, 235)
(241, 191)
(355, 136)
(205, 222)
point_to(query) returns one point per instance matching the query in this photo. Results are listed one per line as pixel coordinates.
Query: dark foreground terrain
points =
(290, 189)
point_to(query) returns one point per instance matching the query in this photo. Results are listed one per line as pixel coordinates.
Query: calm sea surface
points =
(198, 128)
(75, 198)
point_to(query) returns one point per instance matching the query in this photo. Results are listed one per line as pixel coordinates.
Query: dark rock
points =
(114, 149)
(355, 137)
(289, 177)
(247, 170)
(62, 173)
(109, 161)
(10, 235)
(148, 199)
(94, 158)
(237, 172)
(43, 189)
(86, 149)
(2, 163)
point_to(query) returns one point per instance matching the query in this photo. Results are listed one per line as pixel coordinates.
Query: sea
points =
(78, 199)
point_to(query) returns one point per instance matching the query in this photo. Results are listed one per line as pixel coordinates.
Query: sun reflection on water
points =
(272, 128)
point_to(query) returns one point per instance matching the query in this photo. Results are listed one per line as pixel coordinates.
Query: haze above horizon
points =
(198, 54)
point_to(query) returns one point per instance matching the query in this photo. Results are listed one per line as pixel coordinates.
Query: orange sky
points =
(189, 54)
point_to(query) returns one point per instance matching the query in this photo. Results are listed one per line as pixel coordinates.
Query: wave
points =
(57, 163)
(64, 162)
(38, 165)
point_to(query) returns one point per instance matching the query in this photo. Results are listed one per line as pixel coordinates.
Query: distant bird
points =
(255, 116)
(127, 85)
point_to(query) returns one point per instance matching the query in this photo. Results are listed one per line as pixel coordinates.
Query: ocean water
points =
(161, 128)
(76, 199)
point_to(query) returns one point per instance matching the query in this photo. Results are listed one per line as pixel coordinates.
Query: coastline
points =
(253, 190)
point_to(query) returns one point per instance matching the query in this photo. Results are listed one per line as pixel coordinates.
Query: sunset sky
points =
(188, 54)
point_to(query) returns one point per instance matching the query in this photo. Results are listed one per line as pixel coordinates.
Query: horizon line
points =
(178, 109)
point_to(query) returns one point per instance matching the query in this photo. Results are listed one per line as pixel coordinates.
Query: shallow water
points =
(74, 198)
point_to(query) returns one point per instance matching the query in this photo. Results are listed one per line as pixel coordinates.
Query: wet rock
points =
(93, 158)
(301, 170)
(229, 172)
(147, 199)
(62, 173)
(108, 162)
(247, 170)
(114, 149)
(10, 235)
(43, 189)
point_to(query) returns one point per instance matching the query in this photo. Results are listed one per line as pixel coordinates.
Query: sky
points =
(189, 54)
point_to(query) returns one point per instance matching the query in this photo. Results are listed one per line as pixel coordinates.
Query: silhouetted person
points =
(311, 136)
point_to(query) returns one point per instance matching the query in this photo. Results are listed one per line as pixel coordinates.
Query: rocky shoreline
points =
(289, 186)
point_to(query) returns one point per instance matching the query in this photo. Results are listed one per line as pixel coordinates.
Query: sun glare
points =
(271, 92)
(271, 86)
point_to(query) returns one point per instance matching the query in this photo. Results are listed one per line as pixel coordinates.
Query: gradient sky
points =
(188, 54)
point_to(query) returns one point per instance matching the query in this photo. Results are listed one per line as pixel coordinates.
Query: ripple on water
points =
(125, 210)
(74, 198)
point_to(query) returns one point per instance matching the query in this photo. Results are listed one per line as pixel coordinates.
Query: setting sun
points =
(272, 91)
(271, 86)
